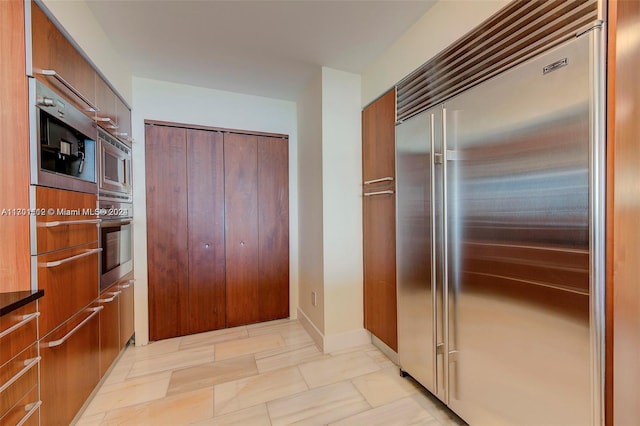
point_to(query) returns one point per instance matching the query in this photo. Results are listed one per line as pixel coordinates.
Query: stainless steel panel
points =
(518, 152)
(415, 278)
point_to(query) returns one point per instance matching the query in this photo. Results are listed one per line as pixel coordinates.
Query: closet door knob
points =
(206, 246)
(242, 243)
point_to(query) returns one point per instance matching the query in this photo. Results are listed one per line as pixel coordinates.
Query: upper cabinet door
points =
(106, 102)
(123, 118)
(53, 52)
(378, 133)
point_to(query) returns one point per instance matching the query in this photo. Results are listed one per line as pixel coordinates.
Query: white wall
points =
(440, 26)
(342, 201)
(310, 203)
(78, 20)
(158, 100)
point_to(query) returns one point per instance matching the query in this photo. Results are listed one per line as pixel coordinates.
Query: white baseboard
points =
(333, 342)
(350, 339)
(311, 328)
(390, 353)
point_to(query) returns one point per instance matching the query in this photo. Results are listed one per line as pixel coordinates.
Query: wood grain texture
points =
(380, 303)
(379, 233)
(626, 211)
(167, 238)
(19, 411)
(378, 138)
(106, 102)
(123, 117)
(273, 228)
(68, 287)
(60, 201)
(69, 372)
(241, 228)
(52, 51)
(21, 387)
(109, 327)
(126, 285)
(15, 272)
(18, 340)
(205, 180)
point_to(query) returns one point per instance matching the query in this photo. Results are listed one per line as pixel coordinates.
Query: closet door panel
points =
(241, 225)
(167, 243)
(205, 180)
(273, 226)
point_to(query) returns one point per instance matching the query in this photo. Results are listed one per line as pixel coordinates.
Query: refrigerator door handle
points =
(445, 257)
(434, 284)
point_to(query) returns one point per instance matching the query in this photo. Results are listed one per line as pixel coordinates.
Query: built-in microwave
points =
(114, 168)
(63, 151)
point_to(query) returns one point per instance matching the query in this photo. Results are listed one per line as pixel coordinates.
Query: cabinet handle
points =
(71, 259)
(370, 194)
(25, 319)
(112, 124)
(30, 409)
(384, 179)
(128, 284)
(70, 222)
(65, 83)
(28, 363)
(110, 299)
(125, 136)
(58, 342)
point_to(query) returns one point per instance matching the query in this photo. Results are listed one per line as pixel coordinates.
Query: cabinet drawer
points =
(69, 369)
(18, 377)
(14, 342)
(70, 219)
(69, 279)
(109, 327)
(26, 412)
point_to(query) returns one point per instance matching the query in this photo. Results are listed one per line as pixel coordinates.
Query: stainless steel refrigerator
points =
(500, 252)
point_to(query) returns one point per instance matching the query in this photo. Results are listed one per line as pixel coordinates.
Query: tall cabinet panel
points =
(241, 222)
(205, 180)
(378, 164)
(167, 236)
(273, 227)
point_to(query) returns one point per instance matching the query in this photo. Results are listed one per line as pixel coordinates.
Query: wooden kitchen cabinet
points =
(109, 327)
(52, 51)
(70, 366)
(106, 103)
(217, 201)
(378, 210)
(123, 118)
(71, 219)
(126, 287)
(15, 269)
(19, 361)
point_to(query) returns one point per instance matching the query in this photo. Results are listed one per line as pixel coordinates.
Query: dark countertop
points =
(13, 300)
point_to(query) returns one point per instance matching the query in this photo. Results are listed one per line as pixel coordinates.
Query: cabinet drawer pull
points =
(30, 409)
(128, 284)
(70, 222)
(369, 194)
(65, 83)
(112, 124)
(71, 259)
(384, 179)
(25, 319)
(110, 299)
(58, 342)
(28, 363)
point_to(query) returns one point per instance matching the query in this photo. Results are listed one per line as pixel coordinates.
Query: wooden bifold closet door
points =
(217, 229)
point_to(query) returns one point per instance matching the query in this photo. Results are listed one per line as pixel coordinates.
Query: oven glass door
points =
(115, 240)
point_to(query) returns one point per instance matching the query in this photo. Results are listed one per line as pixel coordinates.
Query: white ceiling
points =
(265, 48)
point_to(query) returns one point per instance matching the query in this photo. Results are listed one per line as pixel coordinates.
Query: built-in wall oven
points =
(63, 142)
(116, 241)
(115, 209)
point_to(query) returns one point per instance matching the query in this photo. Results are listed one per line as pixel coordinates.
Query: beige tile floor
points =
(262, 374)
